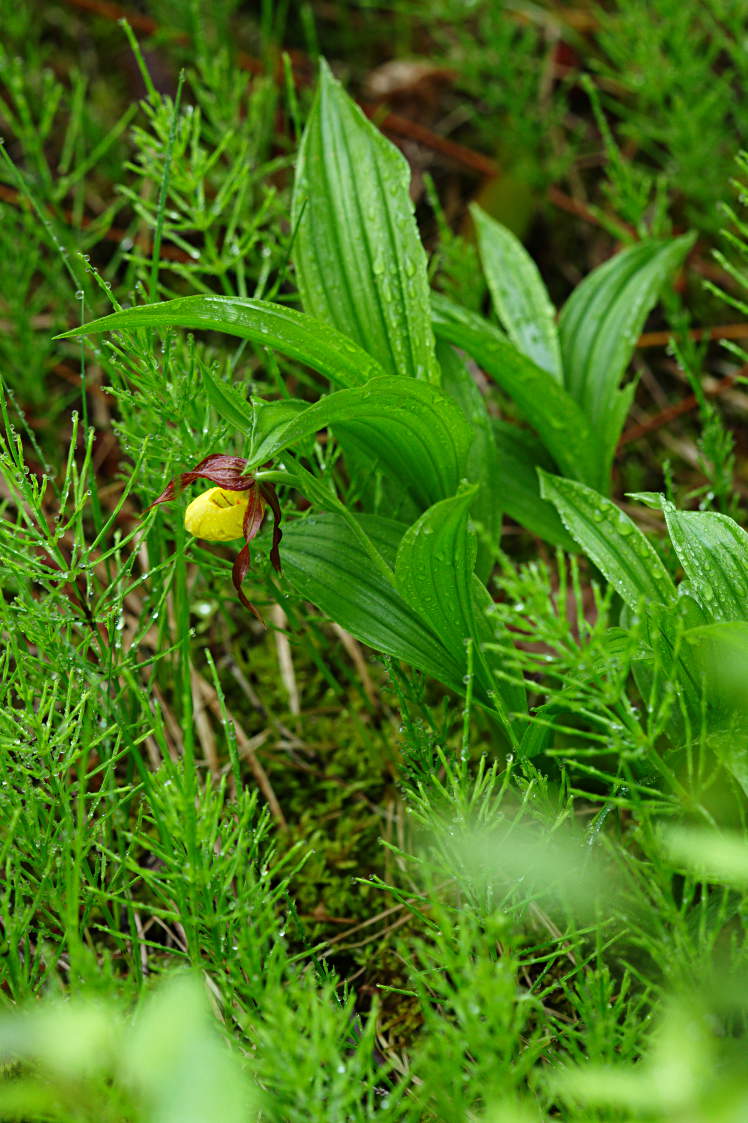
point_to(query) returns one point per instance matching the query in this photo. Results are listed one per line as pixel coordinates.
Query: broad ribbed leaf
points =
(434, 574)
(611, 540)
(417, 434)
(599, 326)
(482, 464)
(713, 551)
(552, 412)
(434, 569)
(519, 296)
(359, 260)
(325, 564)
(519, 454)
(293, 333)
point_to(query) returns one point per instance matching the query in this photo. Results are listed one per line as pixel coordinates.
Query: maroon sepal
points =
(224, 471)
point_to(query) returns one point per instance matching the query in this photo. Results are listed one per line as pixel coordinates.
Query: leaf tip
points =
(545, 480)
(326, 76)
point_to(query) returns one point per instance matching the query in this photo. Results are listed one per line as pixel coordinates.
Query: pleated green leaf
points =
(434, 574)
(324, 562)
(434, 569)
(417, 434)
(713, 551)
(599, 326)
(546, 405)
(611, 540)
(360, 265)
(519, 296)
(292, 333)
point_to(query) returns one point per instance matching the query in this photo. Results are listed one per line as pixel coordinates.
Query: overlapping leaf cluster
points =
(410, 410)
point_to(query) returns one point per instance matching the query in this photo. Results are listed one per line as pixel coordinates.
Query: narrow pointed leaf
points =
(417, 434)
(519, 296)
(359, 260)
(552, 412)
(518, 455)
(600, 323)
(284, 329)
(611, 540)
(325, 564)
(713, 551)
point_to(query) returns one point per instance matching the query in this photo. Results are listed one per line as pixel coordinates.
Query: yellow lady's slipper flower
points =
(233, 509)
(217, 515)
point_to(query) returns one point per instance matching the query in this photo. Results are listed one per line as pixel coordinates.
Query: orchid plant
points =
(404, 406)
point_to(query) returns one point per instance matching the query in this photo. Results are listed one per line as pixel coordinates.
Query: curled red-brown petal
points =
(253, 516)
(269, 495)
(239, 571)
(225, 471)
